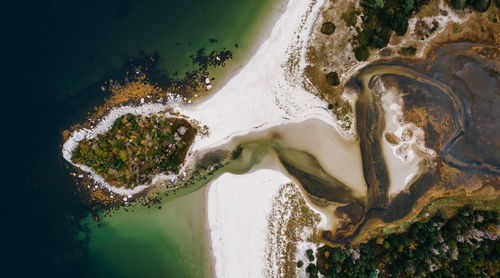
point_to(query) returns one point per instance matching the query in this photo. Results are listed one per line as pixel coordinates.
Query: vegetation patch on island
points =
(141, 80)
(137, 148)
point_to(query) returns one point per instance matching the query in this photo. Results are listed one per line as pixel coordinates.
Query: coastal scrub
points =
(136, 148)
(380, 19)
(464, 245)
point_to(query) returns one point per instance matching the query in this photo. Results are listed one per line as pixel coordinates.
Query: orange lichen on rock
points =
(66, 134)
(131, 90)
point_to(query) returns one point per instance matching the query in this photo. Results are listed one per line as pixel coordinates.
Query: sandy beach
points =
(238, 207)
(263, 94)
(267, 92)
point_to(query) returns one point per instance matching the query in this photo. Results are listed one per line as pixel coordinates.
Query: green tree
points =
(458, 4)
(327, 28)
(332, 78)
(400, 23)
(387, 245)
(312, 270)
(481, 5)
(362, 53)
(310, 254)
(408, 7)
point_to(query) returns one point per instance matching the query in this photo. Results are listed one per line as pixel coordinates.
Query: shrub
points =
(408, 51)
(380, 19)
(310, 255)
(458, 4)
(386, 52)
(362, 53)
(312, 270)
(350, 16)
(333, 78)
(328, 28)
(481, 5)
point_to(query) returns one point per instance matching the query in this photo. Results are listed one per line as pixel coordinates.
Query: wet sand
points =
(432, 171)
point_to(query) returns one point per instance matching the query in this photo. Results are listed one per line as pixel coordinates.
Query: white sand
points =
(238, 209)
(266, 92)
(404, 159)
(263, 93)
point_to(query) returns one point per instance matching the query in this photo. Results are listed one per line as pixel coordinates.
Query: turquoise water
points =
(171, 241)
(55, 55)
(152, 242)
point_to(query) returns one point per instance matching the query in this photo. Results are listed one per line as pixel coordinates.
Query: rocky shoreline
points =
(137, 93)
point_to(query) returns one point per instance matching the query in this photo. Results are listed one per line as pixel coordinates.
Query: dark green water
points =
(55, 54)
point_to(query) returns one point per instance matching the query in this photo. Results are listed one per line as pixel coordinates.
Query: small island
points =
(137, 148)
